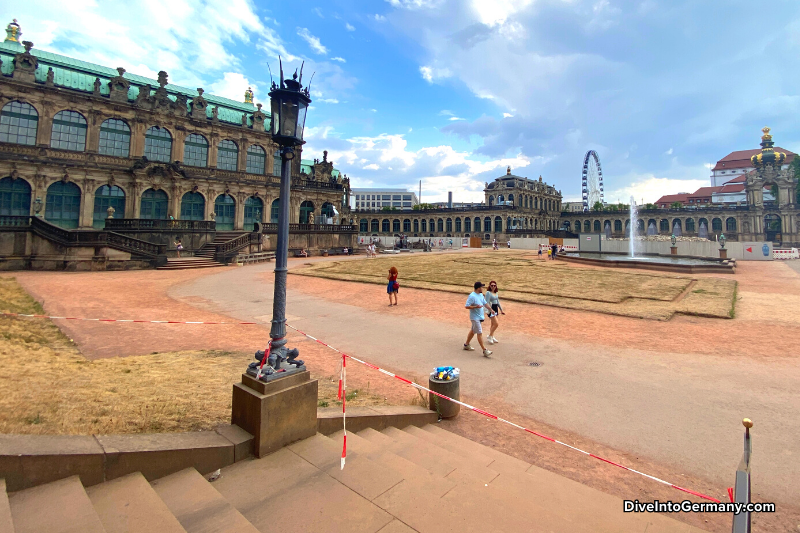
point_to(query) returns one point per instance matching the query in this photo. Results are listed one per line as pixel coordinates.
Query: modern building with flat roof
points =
(378, 198)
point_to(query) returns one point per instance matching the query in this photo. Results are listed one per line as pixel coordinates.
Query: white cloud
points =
(349, 27)
(668, 152)
(329, 100)
(648, 188)
(496, 12)
(507, 115)
(456, 118)
(339, 59)
(380, 18)
(312, 41)
(430, 74)
(233, 85)
(371, 166)
(318, 12)
(415, 4)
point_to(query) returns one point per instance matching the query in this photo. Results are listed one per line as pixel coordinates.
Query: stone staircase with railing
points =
(205, 256)
(416, 479)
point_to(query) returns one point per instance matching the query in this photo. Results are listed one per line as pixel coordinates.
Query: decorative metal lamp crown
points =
(768, 156)
(289, 103)
(13, 32)
(673, 239)
(722, 241)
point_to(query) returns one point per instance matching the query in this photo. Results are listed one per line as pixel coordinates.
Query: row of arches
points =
(450, 225)
(525, 201)
(19, 122)
(63, 202)
(663, 225)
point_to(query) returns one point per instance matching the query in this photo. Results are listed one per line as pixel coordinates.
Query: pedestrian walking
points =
(494, 302)
(508, 244)
(554, 249)
(494, 244)
(540, 251)
(476, 303)
(178, 247)
(393, 286)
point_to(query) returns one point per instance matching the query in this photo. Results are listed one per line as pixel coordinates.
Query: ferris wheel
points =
(591, 180)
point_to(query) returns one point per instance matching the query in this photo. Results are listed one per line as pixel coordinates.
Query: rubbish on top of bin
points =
(445, 373)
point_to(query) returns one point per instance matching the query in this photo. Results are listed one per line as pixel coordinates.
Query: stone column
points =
(175, 202)
(138, 130)
(213, 150)
(242, 163)
(93, 132)
(178, 139)
(45, 126)
(87, 206)
(238, 221)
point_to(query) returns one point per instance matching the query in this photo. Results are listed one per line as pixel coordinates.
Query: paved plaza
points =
(665, 397)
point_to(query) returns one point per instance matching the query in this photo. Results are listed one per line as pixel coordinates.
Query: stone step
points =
(198, 506)
(500, 462)
(431, 463)
(58, 507)
(6, 524)
(415, 445)
(129, 505)
(283, 492)
(185, 267)
(434, 485)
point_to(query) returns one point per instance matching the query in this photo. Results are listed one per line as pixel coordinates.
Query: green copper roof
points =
(307, 167)
(80, 75)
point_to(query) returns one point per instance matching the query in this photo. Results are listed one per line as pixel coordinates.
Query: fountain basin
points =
(684, 264)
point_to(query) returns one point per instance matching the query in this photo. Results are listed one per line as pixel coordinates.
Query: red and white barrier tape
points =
(494, 417)
(131, 321)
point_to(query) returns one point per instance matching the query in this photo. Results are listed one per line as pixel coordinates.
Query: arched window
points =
(154, 205)
(228, 155)
(487, 224)
(69, 131)
(617, 226)
(374, 226)
(458, 225)
(256, 159)
(577, 226)
(195, 151)
(498, 225)
(327, 211)
(225, 209)
(597, 226)
(115, 138)
(440, 225)
(416, 226)
(663, 225)
(511, 199)
(275, 210)
(158, 144)
(15, 197)
(449, 225)
(424, 225)
(491, 200)
(690, 225)
(63, 204)
(716, 224)
(406, 225)
(276, 163)
(501, 199)
(468, 225)
(640, 225)
(253, 212)
(477, 227)
(363, 225)
(431, 225)
(104, 197)
(193, 206)
(18, 123)
(385, 225)
(396, 226)
(306, 208)
(730, 225)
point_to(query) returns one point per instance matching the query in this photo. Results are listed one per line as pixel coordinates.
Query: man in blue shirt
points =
(476, 302)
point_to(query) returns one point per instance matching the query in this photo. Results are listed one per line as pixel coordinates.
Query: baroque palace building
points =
(513, 206)
(77, 139)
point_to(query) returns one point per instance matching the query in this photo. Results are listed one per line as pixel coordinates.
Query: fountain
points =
(651, 229)
(633, 212)
(703, 232)
(676, 229)
(608, 230)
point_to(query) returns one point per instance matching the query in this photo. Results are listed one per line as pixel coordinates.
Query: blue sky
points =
(451, 92)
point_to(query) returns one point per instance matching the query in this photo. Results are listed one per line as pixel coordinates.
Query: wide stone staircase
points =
(204, 257)
(416, 479)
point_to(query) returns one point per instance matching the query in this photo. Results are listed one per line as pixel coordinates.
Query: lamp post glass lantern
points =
(722, 241)
(288, 102)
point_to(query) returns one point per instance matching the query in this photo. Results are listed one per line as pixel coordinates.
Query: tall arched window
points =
(385, 227)
(511, 199)
(225, 209)
(690, 225)
(228, 155)
(663, 225)
(154, 205)
(597, 226)
(306, 208)
(256, 159)
(424, 225)
(730, 225)
(617, 226)
(363, 225)
(374, 226)
(18, 123)
(587, 226)
(327, 211)
(193, 206)
(63, 204)
(487, 224)
(69, 131)
(396, 226)
(195, 151)
(491, 200)
(440, 225)
(477, 224)
(253, 212)
(406, 225)
(104, 197)
(158, 144)
(275, 210)
(15, 197)
(501, 199)
(498, 225)
(276, 163)
(115, 138)
(716, 224)
(416, 226)
(449, 225)
(467, 225)
(458, 225)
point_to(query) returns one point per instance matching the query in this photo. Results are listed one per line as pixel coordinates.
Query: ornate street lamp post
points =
(289, 103)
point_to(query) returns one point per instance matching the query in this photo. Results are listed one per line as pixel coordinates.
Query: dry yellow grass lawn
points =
(48, 387)
(523, 278)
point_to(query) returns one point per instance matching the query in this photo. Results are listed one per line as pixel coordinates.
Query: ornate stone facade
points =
(82, 138)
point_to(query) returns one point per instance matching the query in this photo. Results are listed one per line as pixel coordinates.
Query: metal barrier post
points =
(741, 521)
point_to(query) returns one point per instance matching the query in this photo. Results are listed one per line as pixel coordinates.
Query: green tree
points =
(598, 206)
(649, 206)
(675, 205)
(419, 207)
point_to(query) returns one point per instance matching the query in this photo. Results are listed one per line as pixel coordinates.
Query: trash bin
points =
(451, 389)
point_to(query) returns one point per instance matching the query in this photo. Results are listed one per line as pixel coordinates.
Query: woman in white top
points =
(494, 301)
